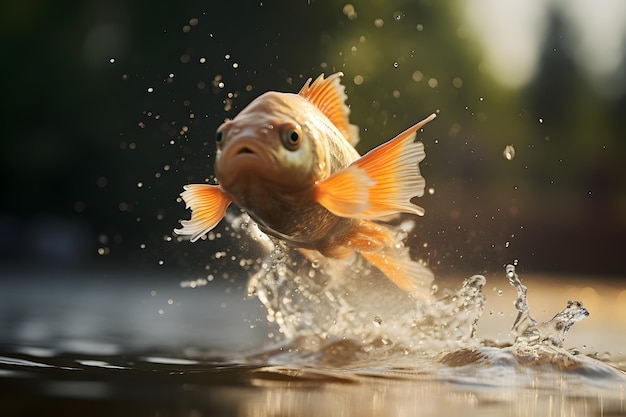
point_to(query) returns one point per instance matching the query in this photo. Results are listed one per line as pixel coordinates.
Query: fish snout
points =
(242, 157)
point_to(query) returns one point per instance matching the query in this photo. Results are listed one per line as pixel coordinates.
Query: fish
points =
(289, 161)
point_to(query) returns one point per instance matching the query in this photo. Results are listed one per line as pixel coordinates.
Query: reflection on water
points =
(484, 382)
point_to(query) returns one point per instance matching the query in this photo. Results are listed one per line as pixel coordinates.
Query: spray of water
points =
(318, 304)
(528, 332)
(341, 311)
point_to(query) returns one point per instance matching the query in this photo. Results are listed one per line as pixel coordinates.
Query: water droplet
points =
(350, 11)
(509, 152)
(102, 182)
(395, 65)
(510, 271)
(377, 321)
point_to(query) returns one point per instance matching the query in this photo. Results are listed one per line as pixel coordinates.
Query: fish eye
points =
(219, 136)
(291, 137)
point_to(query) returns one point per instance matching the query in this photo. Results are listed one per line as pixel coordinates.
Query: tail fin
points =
(377, 244)
(409, 275)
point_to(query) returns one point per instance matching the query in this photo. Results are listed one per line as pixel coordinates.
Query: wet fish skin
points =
(289, 161)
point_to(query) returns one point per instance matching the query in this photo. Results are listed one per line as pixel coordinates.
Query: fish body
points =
(289, 161)
(275, 184)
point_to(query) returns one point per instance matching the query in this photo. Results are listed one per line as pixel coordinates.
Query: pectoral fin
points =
(208, 205)
(380, 183)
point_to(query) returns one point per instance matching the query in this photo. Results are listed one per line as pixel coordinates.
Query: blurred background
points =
(110, 107)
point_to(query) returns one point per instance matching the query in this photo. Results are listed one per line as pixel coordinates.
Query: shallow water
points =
(129, 346)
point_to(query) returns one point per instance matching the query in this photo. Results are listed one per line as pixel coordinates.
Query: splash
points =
(346, 311)
(541, 344)
(322, 303)
(528, 332)
(537, 345)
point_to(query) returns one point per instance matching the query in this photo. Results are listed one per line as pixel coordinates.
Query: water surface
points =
(131, 346)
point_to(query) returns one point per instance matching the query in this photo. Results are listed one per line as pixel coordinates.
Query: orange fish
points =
(289, 161)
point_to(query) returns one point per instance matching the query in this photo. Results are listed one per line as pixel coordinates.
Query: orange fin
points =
(409, 275)
(378, 245)
(208, 205)
(329, 96)
(380, 183)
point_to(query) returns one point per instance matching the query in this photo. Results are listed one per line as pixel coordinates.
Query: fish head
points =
(275, 142)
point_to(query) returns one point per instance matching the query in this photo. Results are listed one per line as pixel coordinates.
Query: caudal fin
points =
(409, 275)
(378, 245)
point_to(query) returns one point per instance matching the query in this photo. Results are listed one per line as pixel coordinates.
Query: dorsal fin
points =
(329, 95)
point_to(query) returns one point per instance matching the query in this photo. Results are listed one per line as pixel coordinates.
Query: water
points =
(327, 338)
(509, 152)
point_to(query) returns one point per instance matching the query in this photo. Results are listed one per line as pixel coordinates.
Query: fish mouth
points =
(244, 157)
